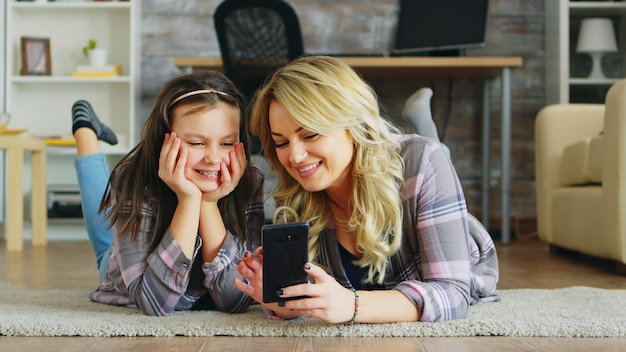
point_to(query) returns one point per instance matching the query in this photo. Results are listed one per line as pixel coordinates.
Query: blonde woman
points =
(390, 236)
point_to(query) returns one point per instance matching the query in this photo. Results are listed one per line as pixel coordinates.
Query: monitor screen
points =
(433, 25)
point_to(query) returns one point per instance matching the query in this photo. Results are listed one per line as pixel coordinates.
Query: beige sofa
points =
(580, 170)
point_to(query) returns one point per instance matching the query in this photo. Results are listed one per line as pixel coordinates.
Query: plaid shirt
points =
(161, 281)
(447, 260)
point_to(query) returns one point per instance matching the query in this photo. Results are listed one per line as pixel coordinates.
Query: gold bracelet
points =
(356, 306)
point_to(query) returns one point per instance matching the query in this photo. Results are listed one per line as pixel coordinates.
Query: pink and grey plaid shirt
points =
(447, 260)
(161, 281)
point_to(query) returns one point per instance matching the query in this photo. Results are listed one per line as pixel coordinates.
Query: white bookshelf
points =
(43, 103)
(560, 43)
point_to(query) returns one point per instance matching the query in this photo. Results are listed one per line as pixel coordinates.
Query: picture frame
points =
(35, 56)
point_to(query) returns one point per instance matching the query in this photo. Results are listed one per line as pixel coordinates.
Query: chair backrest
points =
(256, 37)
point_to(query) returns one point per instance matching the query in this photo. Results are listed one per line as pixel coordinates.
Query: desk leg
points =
(486, 152)
(15, 200)
(39, 217)
(506, 154)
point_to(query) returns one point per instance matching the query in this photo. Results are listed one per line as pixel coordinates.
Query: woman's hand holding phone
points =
(325, 298)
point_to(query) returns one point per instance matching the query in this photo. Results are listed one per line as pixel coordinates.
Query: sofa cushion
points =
(582, 162)
(575, 163)
(596, 152)
(579, 222)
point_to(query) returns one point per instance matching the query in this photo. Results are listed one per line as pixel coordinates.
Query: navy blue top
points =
(355, 273)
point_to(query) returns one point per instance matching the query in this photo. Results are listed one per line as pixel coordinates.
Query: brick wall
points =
(185, 28)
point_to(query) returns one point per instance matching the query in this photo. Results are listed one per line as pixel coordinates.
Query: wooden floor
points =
(523, 264)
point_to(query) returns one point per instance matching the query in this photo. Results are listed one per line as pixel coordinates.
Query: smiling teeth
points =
(310, 167)
(210, 173)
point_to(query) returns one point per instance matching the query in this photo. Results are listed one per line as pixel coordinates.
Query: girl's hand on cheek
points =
(172, 161)
(229, 177)
(238, 161)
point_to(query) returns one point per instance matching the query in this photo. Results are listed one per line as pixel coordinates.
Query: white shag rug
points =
(569, 312)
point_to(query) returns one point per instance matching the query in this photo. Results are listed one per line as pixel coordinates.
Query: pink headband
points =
(196, 92)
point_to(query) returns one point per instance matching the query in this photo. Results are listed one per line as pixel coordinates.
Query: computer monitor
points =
(440, 25)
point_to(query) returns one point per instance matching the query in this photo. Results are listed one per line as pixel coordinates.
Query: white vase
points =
(5, 117)
(97, 57)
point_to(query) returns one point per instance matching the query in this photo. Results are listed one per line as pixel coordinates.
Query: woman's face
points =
(317, 162)
(208, 135)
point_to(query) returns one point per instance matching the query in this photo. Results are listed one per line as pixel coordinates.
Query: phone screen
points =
(285, 251)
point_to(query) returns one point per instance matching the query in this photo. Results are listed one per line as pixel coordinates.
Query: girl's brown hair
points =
(134, 182)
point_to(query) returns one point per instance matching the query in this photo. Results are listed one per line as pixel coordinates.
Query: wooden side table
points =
(15, 146)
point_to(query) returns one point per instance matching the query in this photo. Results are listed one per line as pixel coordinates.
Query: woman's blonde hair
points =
(324, 94)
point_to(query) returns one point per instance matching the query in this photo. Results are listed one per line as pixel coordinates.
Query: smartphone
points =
(285, 251)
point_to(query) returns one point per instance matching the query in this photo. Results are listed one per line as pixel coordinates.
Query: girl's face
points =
(208, 135)
(317, 162)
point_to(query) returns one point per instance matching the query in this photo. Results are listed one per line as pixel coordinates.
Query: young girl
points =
(390, 237)
(179, 209)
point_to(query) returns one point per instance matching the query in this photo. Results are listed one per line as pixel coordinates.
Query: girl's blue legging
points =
(93, 174)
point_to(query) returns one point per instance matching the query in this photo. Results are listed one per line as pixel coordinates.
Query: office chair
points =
(256, 37)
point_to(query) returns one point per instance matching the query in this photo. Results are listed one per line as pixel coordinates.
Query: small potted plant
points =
(96, 56)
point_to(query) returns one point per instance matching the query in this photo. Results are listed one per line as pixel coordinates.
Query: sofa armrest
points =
(614, 171)
(556, 127)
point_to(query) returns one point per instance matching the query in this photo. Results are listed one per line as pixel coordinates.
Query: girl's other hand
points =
(251, 268)
(230, 177)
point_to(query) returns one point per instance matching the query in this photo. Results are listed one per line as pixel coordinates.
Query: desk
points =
(404, 67)
(15, 147)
